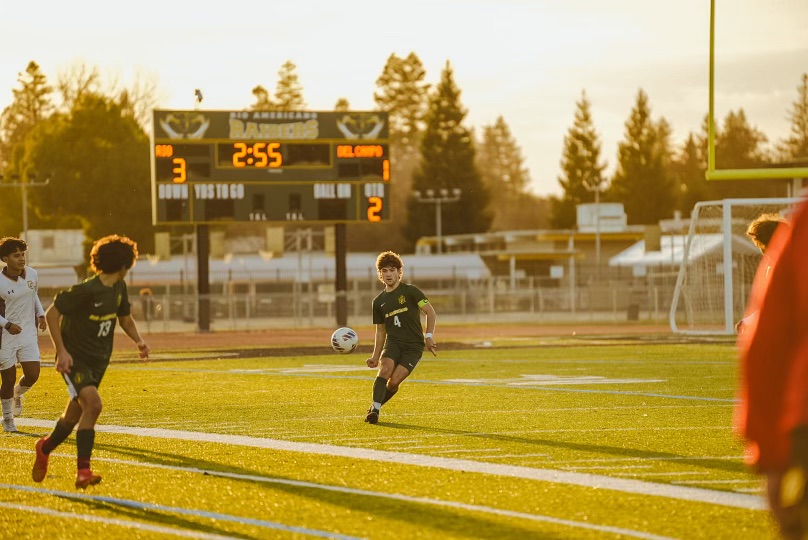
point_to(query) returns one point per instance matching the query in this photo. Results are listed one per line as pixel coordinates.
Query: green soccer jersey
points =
(400, 312)
(89, 313)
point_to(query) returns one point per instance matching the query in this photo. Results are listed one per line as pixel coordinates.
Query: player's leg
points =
(399, 374)
(90, 402)
(386, 366)
(409, 359)
(29, 360)
(8, 375)
(63, 428)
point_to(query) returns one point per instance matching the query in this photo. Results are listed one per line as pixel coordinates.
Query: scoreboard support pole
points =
(202, 277)
(341, 281)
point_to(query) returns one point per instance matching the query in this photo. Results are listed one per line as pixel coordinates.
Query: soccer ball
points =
(344, 340)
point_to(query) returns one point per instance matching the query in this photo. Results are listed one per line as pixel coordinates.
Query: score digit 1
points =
(374, 209)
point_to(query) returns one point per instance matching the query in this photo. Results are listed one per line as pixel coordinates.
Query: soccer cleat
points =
(16, 405)
(8, 425)
(40, 469)
(373, 416)
(85, 477)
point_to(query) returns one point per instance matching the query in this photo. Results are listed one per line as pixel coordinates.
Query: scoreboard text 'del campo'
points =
(279, 166)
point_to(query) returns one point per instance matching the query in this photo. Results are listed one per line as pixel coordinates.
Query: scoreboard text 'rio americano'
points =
(274, 166)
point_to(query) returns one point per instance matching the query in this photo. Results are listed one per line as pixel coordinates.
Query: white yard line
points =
(114, 521)
(128, 503)
(454, 464)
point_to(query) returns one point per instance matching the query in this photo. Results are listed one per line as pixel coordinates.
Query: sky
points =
(525, 60)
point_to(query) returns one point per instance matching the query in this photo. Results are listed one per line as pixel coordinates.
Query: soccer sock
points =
(20, 389)
(84, 447)
(60, 432)
(379, 389)
(6, 404)
(388, 395)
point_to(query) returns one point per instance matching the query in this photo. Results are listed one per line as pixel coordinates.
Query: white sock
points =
(377, 406)
(20, 390)
(7, 408)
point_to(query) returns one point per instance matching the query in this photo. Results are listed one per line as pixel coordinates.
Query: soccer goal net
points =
(718, 264)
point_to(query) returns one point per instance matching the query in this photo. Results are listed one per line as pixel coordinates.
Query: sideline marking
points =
(128, 503)
(114, 521)
(625, 485)
(393, 496)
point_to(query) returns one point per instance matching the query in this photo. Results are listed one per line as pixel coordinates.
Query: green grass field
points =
(567, 439)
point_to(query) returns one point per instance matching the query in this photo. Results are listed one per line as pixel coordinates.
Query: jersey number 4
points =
(396, 321)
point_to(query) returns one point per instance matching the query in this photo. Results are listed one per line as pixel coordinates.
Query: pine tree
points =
(582, 170)
(642, 181)
(342, 105)
(687, 170)
(796, 146)
(31, 104)
(448, 163)
(263, 101)
(289, 91)
(503, 172)
(403, 94)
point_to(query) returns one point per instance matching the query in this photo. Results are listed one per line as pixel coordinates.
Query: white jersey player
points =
(21, 315)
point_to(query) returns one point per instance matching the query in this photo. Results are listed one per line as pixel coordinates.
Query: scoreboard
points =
(272, 166)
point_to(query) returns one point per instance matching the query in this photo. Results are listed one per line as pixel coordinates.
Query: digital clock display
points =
(302, 166)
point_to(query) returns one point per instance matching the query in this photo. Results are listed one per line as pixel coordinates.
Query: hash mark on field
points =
(607, 467)
(662, 473)
(734, 481)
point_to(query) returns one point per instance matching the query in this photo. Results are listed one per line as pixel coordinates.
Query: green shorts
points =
(404, 354)
(84, 374)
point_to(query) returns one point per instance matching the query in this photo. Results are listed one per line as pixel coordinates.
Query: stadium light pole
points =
(438, 197)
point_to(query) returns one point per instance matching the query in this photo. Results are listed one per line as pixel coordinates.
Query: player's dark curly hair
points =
(388, 258)
(10, 244)
(113, 253)
(761, 230)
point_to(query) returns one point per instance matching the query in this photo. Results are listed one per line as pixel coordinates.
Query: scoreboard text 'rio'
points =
(278, 166)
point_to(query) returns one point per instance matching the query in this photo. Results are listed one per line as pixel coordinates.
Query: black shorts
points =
(404, 354)
(84, 374)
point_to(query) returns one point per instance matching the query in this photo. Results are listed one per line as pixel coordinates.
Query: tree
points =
(403, 94)
(342, 105)
(447, 162)
(687, 170)
(503, 172)
(31, 104)
(288, 91)
(795, 147)
(263, 101)
(581, 168)
(97, 154)
(738, 145)
(78, 81)
(642, 181)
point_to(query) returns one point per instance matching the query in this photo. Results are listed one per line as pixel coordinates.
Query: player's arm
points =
(40, 313)
(431, 321)
(10, 327)
(64, 362)
(378, 345)
(128, 325)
